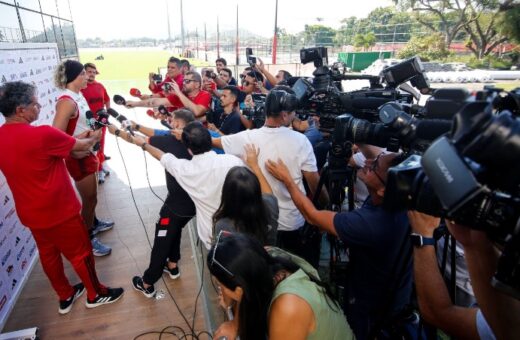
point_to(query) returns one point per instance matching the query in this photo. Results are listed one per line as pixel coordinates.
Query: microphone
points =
(150, 113)
(94, 125)
(119, 100)
(431, 129)
(125, 123)
(102, 117)
(166, 125)
(135, 93)
(164, 111)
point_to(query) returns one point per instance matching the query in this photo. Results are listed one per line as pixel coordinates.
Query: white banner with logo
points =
(33, 63)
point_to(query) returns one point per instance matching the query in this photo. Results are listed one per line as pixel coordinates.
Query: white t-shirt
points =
(296, 152)
(82, 123)
(202, 178)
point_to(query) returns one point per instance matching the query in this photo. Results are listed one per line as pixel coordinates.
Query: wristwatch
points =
(419, 241)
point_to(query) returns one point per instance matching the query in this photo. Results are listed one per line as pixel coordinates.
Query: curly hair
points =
(14, 94)
(60, 77)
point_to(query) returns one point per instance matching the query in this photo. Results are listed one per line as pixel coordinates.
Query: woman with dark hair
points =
(248, 204)
(275, 297)
(70, 117)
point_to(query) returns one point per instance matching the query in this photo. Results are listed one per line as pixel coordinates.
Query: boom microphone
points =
(135, 93)
(431, 129)
(119, 100)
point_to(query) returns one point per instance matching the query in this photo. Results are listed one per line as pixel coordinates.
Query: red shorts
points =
(81, 168)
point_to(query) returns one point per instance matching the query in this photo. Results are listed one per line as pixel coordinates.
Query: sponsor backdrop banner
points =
(33, 63)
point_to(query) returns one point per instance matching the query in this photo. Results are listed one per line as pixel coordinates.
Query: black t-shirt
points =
(178, 200)
(230, 124)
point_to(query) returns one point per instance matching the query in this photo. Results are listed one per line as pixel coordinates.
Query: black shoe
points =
(174, 273)
(66, 305)
(138, 284)
(100, 226)
(112, 295)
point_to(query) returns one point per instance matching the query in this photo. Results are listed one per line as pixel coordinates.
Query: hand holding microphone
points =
(125, 123)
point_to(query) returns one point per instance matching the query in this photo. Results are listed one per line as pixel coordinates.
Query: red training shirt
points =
(96, 96)
(32, 162)
(202, 98)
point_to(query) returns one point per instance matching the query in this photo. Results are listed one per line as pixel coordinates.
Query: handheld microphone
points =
(102, 117)
(164, 111)
(119, 100)
(94, 125)
(150, 113)
(166, 125)
(135, 93)
(125, 123)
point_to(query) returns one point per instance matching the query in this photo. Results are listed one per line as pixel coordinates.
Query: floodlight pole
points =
(237, 62)
(218, 40)
(275, 37)
(168, 22)
(182, 29)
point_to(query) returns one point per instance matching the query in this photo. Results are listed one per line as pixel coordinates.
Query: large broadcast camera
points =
(471, 176)
(256, 114)
(324, 97)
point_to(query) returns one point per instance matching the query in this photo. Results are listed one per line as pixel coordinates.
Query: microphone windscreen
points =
(119, 100)
(113, 112)
(166, 125)
(150, 113)
(89, 114)
(135, 92)
(431, 129)
(163, 110)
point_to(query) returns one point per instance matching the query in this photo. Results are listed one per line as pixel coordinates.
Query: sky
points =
(113, 19)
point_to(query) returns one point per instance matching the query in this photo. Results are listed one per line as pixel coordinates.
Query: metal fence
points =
(39, 21)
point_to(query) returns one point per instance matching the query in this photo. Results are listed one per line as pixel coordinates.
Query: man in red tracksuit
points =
(32, 163)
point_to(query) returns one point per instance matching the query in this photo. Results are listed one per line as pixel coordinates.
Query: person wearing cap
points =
(70, 117)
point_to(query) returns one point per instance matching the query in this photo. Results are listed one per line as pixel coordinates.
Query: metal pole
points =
(275, 32)
(218, 40)
(205, 44)
(237, 61)
(182, 30)
(168, 22)
(197, 36)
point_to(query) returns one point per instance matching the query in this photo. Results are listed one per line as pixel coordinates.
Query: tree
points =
(319, 35)
(509, 21)
(430, 47)
(453, 15)
(365, 41)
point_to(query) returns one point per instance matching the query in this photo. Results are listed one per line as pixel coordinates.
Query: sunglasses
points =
(242, 76)
(374, 166)
(213, 259)
(187, 81)
(247, 83)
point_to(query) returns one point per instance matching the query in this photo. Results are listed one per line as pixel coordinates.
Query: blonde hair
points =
(60, 78)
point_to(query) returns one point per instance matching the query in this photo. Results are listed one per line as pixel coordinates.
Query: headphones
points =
(280, 100)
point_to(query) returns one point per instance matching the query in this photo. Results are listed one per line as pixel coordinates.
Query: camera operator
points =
(202, 177)
(375, 290)
(434, 301)
(174, 74)
(222, 81)
(229, 122)
(281, 75)
(275, 140)
(32, 163)
(191, 97)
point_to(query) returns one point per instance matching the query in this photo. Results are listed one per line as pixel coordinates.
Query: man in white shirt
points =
(202, 177)
(276, 141)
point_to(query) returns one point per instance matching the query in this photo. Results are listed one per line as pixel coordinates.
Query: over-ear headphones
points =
(280, 100)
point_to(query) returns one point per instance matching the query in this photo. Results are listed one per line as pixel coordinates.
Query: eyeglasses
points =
(187, 81)
(247, 83)
(373, 167)
(213, 259)
(36, 104)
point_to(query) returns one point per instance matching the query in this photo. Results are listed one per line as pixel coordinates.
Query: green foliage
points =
(431, 47)
(365, 41)
(319, 35)
(510, 23)
(489, 62)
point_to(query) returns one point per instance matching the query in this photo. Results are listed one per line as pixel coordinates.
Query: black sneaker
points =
(138, 284)
(112, 295)
(66, 305)
(174, 273)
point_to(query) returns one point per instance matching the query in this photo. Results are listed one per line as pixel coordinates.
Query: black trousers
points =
(166, 244)
(304, 242)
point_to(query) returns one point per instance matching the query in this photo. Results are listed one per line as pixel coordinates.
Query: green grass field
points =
(123, 69)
